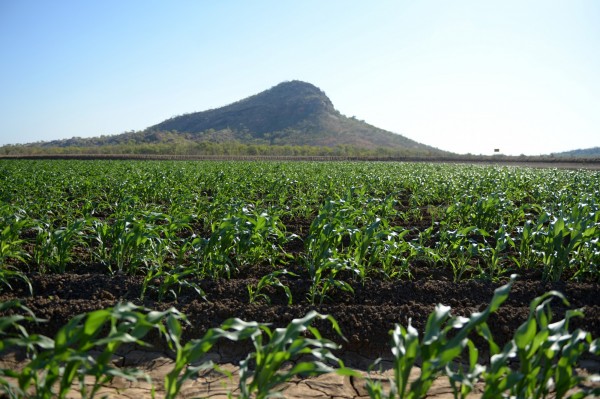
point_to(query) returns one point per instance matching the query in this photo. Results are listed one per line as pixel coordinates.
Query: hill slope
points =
(295, 113)
(278, 108)
(593, 152)
(291, 113)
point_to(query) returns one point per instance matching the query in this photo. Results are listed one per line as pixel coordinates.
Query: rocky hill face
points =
(281, 107)
(291, 113)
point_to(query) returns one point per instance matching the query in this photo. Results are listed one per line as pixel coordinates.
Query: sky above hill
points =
(463, 76)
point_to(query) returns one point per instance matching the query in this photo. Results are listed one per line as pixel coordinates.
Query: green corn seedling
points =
(167, 281)
(256, 293)
(497, 253)
(54, 247)
(242, 237)
(12, 224)
(14, 334)
(444, 340)
(263, 371)
(546, 353)
(459, 249)
(190, 358)
(56, 364)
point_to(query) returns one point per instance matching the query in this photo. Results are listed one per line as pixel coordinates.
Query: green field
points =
(363, 218)
(334, 226)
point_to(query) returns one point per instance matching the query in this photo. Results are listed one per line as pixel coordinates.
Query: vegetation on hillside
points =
(593, 152)
(292, 118)
(175, 144)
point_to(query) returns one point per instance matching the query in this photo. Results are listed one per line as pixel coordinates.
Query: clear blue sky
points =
(464, 76)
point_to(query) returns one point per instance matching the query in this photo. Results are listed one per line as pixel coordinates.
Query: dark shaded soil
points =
(365, 317)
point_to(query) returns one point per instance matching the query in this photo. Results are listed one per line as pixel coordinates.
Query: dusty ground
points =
(215, 384)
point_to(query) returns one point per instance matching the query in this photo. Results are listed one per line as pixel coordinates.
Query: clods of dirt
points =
(365, 317)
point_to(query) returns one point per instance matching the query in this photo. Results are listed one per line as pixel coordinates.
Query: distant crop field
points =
(372, 244)
(371, 219)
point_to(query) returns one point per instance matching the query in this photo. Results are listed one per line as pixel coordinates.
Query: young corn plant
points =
(168, 282)
(14, 334)
(168, 228)
(494, 267)
(101, 233)
(376, 248)
(243, 237)
(256, 293)
(324, 259)
(559, 239)
(546, 355)
(464, 377)
(589, 261)
(528, 257)
(459, 248)
(53, 250)
(444, 340)
(127, 243)
(13, 330)
(11, 247)
(263, 371)
(324, 280)
(9, 274)
(401, 254)
(12, 224)
(488, 213)
(52, 372)
(584, 224)
(190, 358)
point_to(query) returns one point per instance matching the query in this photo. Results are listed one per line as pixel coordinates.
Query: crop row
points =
(335, 223)
(546, 353)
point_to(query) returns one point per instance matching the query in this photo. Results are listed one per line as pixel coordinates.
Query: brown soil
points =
(365, 317)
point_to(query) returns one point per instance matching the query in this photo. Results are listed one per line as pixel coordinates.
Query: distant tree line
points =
(232, 148)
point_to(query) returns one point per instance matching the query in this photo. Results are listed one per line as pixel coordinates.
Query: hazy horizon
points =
(466, 76)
